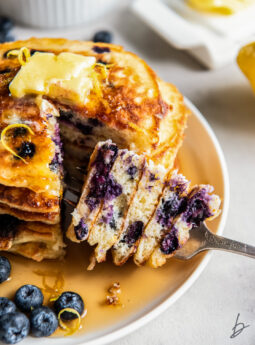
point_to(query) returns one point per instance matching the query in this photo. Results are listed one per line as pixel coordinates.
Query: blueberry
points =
(43, 322)
(132, 170)
(28, 297)
(6, 306)
(170, 242)
(134, 232)
(13, 327)
(26, 149)
(81, 230)
(5, 269)
(6, 24)
(103, 36)
(5, 37)
(69, 300)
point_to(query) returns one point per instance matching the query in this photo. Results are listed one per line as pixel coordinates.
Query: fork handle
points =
(218, 242)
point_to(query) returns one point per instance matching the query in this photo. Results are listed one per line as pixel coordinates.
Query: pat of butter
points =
(65, 76)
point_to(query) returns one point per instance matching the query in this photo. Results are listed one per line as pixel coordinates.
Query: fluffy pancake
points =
(31, 239)
(133, 108)
(26, 200)
(34, 172)
(140, 211)
(121, 187)
(48, 217)
(201, 205)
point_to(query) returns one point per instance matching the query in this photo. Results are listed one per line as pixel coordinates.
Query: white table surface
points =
(206, 314)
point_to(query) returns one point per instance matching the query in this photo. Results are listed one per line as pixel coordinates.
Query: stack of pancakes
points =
(126, 103)
(30, 179)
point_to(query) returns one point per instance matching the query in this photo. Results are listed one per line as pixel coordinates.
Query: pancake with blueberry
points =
(33, 240)
(120, 188)
(140, 211)
(200, 205)
(93, 191)
(31, 159)
(171, 203)
(118, 96)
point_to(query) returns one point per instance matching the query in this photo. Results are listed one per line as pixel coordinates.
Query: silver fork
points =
(201, 239)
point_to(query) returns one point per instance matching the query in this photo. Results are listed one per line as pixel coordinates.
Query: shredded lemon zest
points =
(132, 125)
(55, 290)
(23, 54)
(4, 143)
(14, 52)
(70, 330)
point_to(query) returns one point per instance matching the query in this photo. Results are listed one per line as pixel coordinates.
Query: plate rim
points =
(168, 301)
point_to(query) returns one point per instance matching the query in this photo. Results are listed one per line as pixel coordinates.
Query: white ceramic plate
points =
(146, 292)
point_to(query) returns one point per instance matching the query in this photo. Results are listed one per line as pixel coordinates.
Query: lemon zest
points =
(23, 54)
(134, 126)
(70, 330)
(4, 143)
(55, 290)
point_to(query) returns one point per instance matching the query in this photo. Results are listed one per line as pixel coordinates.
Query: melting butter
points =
(222, 7)
(65, 76)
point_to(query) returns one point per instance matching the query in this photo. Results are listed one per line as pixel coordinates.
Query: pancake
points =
(93, 191)
(140, 211)
(33, 240)
(37, 158)
(135, 207)
(201, 205)
(121, 187)
(49, 217)
(132, 106)
(26, 200)
(170, 204)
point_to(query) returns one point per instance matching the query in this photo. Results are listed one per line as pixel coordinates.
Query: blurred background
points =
(194, 45)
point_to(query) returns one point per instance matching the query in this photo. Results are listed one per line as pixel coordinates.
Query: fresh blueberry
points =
(69, 300)
(26, 149)
(5, 37)
(13, 327)
(5, 269)
(28, 297)
(6, 306)
(43, 322)
(103, 36)
(9, 38)
(6, 24)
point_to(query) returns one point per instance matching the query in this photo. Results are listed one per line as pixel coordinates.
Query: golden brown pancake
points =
(31, 239)
(135, 109)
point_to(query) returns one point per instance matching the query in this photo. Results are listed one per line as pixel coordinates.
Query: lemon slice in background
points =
(222, 7)
(246, 62)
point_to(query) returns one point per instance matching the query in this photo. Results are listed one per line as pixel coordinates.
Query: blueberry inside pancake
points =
(201, 205)
(96, 187)
(140, 211)
(171, 203)
(120, 190)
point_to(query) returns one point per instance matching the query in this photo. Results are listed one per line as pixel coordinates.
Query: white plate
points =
(146, 292)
